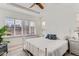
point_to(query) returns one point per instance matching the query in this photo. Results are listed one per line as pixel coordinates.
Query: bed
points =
(45, 47)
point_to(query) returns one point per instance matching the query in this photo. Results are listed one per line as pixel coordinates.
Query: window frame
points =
(22, 33)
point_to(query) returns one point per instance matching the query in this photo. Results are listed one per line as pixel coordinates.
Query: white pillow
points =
(75, 35)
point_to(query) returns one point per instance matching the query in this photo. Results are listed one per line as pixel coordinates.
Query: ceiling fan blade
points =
(40, 5)
(32, 5)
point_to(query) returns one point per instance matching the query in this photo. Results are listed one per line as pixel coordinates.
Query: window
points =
(26, 27)
(10, 26)
(20, 27)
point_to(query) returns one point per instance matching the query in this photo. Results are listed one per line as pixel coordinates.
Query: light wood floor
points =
(18, 51)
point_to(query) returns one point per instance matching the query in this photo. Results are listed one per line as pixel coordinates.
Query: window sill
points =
(18, 36)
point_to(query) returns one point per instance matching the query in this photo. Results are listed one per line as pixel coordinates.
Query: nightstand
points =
(3, 49)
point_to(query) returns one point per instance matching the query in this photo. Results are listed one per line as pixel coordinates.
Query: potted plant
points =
(2, 33)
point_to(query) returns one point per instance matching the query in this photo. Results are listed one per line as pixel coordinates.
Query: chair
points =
(74, 46)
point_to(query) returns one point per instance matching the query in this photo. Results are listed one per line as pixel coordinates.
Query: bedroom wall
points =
(60, 19)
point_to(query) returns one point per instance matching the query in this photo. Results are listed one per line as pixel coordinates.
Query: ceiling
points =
(35, 11)
(20, 7)
(26, 5)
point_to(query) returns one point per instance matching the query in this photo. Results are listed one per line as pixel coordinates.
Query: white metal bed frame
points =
(38, 49)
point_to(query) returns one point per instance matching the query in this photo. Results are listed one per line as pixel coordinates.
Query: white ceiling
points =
(35, 8)
(24, 7)
(25, 10)
(27, 5)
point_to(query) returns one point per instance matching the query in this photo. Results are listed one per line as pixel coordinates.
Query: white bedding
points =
(54, 47)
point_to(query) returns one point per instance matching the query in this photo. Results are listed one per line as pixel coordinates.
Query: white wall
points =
(60, 19)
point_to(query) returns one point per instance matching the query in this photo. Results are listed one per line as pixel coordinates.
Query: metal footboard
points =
(35, 50)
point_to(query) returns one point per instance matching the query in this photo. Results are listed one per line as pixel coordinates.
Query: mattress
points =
(54, 47)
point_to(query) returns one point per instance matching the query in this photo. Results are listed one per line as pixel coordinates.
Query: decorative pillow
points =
(51, 36)
(75, 35)
(48, 36)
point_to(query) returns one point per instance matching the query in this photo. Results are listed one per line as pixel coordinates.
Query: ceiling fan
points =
(38, 4)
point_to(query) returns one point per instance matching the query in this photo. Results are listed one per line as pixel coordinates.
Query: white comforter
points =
(54, 47)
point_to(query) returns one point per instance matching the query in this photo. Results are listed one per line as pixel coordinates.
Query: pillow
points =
(48, 36)
(53, 37)
(75, 35)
